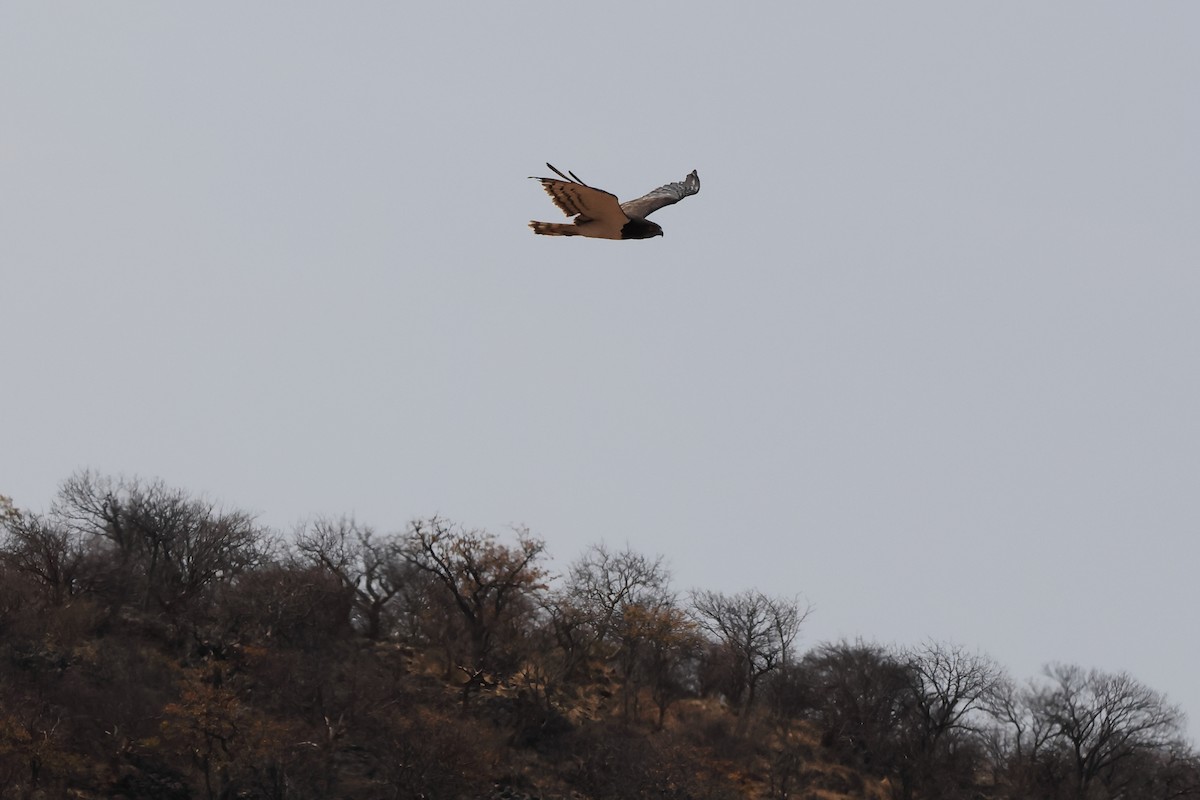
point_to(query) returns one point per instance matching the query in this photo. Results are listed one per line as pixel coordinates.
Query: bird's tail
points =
(554, 228)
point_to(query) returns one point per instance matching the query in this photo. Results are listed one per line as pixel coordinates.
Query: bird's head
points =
(638, 228)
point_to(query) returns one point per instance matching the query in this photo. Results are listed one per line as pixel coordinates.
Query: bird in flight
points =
(600, 215)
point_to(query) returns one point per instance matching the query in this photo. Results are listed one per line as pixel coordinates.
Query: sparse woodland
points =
(154, 645)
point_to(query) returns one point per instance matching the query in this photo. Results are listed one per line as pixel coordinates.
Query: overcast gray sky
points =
(925, 348)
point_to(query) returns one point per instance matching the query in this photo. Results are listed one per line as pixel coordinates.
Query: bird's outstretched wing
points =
(574, 197)
(662, 196)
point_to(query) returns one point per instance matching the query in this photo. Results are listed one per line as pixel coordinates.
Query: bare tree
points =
(858, 696)
(1021, 744)
(951, 685)
(758, 630)
(1103, 720)
(163, 548)
(494, 588)
(604, 584)
(625, 603)
(53, 556)
(370, 567)
(951, 689)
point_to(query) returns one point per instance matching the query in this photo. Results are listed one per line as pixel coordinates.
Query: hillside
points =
(154, 645)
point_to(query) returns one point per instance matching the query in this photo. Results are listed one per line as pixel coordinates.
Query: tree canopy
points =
(154, 644)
